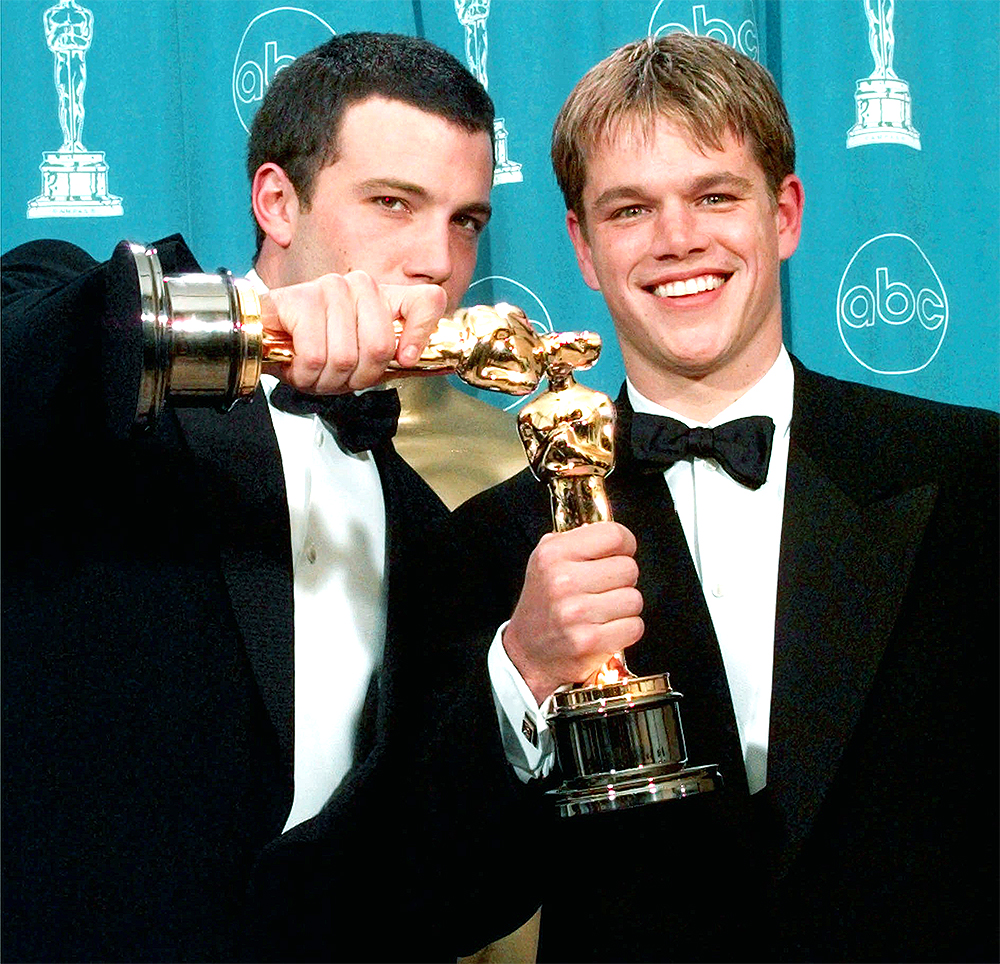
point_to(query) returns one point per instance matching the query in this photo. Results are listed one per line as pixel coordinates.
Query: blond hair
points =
(705, 86)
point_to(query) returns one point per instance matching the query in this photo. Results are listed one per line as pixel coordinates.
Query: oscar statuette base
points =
(621, 745)
(74, 185)
(884, 114)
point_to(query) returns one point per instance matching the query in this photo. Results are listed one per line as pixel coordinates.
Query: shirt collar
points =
(257, 282)
(772, 395)
(267, 382)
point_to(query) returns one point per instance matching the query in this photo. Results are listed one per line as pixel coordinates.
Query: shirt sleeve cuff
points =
(527, 739)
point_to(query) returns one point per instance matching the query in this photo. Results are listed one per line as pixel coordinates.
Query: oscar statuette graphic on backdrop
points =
(74, 180)
(884, 108)
(473, 14)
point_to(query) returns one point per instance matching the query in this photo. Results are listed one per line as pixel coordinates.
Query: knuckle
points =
(638, 628)
(631, 573)
(574, 642)
(573, 610)
(547, 554)
(585, 640)
(437, 298)
(341, 360)
(361, 278)
(566, 615)
(383, 349)
(561, 582)
(310, 359)
(334, 285)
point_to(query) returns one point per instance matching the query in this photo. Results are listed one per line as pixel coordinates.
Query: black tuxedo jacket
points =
(147, 654)
(876, 836)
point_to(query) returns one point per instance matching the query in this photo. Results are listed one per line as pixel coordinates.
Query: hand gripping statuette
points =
(205, 342)
(618, 737)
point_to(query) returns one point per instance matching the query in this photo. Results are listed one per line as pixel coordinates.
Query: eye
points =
(390, 203)
(628, 212)
(470, 223)
(714, 200)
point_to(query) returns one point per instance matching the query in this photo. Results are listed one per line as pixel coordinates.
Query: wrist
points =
(538, 682)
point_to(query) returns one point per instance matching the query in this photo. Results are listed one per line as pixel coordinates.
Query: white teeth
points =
(674, 289)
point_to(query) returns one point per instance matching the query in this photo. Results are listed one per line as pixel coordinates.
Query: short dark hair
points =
(702, 84)
(297, 123)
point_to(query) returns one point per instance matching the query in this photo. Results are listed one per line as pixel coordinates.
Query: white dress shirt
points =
(734, 536)
(337, 515)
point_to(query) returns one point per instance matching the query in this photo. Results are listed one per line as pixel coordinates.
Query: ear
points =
(791, 199)
(275, 203)
(582, 248)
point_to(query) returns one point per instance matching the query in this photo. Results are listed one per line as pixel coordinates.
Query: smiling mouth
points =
(689, 286)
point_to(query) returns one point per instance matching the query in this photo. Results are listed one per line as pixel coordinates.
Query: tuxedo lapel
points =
(378, 714)
(679, 637)
(255, 549)
(413, 517)
(844, 566)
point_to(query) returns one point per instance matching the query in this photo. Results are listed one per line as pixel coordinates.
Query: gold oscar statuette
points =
(618, 737)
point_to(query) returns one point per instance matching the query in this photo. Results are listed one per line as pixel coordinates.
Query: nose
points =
(679, 233)
(429, 258)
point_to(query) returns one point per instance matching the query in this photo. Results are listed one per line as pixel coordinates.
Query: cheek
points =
(767, 255)
(744, 238)
(463, 266)
(463, 259)
(611, 265)
(373, 251)
(332, 239)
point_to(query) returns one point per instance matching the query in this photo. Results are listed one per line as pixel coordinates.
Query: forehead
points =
(395, 141)
(371, 120)
(662, 143)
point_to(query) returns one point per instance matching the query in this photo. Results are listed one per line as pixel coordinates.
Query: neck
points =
(268, 266)
(559, 380)
(699, 397)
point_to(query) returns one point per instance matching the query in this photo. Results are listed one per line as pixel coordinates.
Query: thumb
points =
(420, 308)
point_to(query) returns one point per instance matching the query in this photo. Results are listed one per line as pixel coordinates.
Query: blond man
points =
(800, 553)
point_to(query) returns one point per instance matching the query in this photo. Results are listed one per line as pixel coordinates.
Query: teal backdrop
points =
(894, 104)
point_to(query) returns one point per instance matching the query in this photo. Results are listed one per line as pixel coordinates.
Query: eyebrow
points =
(389, 184)
(721, 179)
(621, 193)
(706, 182)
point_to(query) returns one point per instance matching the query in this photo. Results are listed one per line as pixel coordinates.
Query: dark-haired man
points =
(824, 595)
(207, 627)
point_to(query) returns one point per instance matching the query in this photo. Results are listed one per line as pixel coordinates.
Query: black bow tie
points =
(360, 422)
(742, 447)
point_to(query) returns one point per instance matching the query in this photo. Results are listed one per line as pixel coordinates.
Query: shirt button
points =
(711, 465)
(311, 552)
(718, 590)
(319, 439)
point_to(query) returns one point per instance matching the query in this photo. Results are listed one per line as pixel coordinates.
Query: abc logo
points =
(271, 41)
(892, 310)
(743, 38)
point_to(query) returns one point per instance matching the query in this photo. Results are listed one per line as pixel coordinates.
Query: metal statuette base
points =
(203, 340)
(621, 745)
